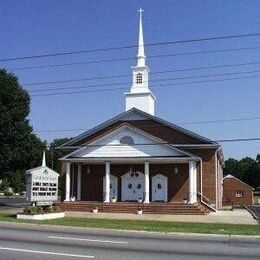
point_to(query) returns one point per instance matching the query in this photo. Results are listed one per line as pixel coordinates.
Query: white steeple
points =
(43, 159)
(140, 54)
(140, 95)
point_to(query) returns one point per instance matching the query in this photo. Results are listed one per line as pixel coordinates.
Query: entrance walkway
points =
(237, 216)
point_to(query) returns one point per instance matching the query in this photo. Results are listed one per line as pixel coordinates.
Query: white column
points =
(107, 183)
(79, 182)
(195, 182)
(67, 189)
(192, 182)
(147, 185)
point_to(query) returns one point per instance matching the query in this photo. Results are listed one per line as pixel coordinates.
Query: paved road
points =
(13, 201)
(256, 211)
(12, 204)
(26, 242)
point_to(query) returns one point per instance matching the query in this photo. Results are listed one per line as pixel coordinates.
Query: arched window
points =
(127, 140)
(139, 78)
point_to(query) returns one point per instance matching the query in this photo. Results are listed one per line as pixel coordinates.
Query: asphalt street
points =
(13, 202)
(26, 242)
(256, 211)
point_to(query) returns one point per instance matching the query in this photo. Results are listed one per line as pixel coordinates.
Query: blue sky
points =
(36, 27)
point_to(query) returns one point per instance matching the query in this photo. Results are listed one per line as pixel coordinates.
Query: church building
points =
(137, 159)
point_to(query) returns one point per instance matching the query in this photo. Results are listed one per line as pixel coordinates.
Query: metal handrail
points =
(204, 197)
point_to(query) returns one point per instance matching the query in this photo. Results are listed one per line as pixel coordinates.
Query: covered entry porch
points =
(157, 180)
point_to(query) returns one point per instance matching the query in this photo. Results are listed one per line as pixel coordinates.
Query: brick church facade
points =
(138, 159)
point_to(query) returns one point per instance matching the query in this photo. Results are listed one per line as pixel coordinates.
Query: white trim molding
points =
(67, 187)
(146, 183)
(107, 182)
(192, 182)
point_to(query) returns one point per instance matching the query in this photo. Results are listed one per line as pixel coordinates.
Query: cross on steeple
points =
(140, 11)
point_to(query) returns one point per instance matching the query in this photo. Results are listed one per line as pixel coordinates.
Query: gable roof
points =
(136, 114)
(111, 140)
(37, 169)
(229, 176)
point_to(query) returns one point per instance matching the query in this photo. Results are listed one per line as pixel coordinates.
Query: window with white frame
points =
(139, 78)
(239, 194)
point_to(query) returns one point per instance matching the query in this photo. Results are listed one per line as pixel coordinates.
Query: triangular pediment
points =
(135, 114)
(42, 170)
(140, 144)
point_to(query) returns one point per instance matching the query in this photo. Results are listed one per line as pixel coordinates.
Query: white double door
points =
(113, 186)
(132, 186)
(159, 188)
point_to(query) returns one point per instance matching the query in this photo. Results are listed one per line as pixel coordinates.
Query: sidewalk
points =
(237, 216)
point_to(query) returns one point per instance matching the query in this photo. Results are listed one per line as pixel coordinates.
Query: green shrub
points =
(33, 210)
(7, 193)
(52, 209)
(56, 208)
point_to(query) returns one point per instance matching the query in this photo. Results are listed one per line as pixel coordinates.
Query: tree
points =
(231, 167)
(18, 181)
(252, 175)
(20, 148)
(246, 169)
(53, 154)
(4, 185)
(258, 158)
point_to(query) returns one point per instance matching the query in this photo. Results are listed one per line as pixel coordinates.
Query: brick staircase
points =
(176, 208)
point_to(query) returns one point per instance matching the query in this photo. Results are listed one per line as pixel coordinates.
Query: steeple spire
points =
(43, 159)
(140, 96)
(140, 54)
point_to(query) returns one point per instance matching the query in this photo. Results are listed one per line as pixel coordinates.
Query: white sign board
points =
(42, 185)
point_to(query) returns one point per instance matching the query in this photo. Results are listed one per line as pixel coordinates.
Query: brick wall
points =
(208, 172)
(230, 187)
(150, 126)
(92, 182)
(210, 176)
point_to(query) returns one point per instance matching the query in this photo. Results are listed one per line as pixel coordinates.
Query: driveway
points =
(12, 204)
(255, 210)
(13, 201)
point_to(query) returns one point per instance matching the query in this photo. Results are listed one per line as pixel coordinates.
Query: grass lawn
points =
(158, 226)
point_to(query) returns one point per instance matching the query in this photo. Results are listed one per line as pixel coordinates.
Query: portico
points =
(147, 181)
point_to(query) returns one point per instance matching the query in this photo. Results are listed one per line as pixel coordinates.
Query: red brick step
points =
(176, 208)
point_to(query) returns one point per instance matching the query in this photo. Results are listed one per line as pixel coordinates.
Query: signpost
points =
(42, 185)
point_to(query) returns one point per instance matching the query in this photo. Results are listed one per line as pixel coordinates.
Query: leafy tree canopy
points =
(53, 155)
(20, 149)
(246, 169)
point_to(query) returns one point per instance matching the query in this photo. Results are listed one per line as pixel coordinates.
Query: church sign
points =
(42, 186)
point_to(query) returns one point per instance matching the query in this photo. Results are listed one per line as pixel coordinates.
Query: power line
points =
(45, 55)
(154, 126)
(238, 140)
(155, 80)
(122, 88)
(177, 144)
(170, 143)
(133, 58)
(156, 72)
